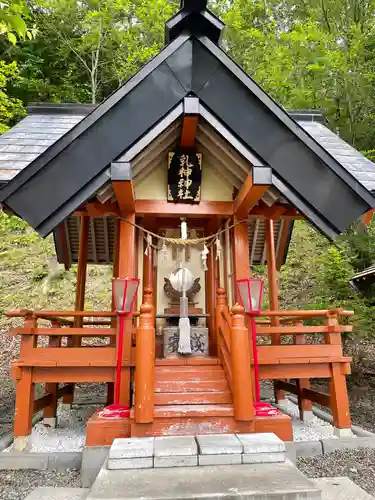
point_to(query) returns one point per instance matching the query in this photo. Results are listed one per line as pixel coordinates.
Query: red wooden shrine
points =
(110, 178)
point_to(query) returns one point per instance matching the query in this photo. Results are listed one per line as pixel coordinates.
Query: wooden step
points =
(187, 361)
(197, 385)
(187, 411)
(181, 373)
(188, 368)
(183, 398)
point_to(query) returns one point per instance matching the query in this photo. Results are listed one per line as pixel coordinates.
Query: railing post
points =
(49, 413)
(241, 366)
(221, 303)
(337, 383)
(304, 405)
(25, 392)
(145, 366)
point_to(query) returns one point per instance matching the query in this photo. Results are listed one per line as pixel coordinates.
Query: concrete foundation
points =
(256, 482)
(93, 458)
(58, 494)
(21, 443)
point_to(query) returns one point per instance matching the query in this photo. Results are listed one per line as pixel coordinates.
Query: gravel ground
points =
(358, 465)
(16, 485)
(312, 430)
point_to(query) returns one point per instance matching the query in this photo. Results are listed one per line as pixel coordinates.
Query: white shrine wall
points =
(155, 185)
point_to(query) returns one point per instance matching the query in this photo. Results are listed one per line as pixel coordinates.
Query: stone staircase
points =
(250, 466)
(192, 400)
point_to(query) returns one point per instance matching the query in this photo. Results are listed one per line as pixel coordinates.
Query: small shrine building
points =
(188, 166)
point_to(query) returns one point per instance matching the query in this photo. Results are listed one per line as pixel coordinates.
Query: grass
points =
(31, 278)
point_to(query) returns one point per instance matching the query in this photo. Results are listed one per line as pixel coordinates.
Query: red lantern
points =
(250, 291)
(124, 293)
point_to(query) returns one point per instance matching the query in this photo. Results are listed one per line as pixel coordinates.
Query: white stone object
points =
(50, 422)
(219, 444)
(130, 463)
(263, 458)
(308, 416)
(132, 448)
(175, 446)
(343, 433)
(176, 461)
(198, 341)
(232, 459)
(261, 443)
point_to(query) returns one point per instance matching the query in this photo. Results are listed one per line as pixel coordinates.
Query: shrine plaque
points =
(184, 177)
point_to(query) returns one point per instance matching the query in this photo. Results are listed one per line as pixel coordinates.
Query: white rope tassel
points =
(219, 248)
(149, 244)
(184, 344)
(184, 233)
(204, 254)
(164, 252)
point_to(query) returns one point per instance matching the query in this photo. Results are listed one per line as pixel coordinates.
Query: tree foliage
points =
(11, 108)
(12, 20)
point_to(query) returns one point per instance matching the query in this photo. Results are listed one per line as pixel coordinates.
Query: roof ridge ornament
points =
(195, 19)
(190, 5)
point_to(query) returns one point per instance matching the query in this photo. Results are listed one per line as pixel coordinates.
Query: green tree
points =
(12, 23)
(101, 43)
(10, 108)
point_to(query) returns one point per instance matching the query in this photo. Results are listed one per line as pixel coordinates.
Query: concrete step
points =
(58, 494)
(341, 488)
(256, 482)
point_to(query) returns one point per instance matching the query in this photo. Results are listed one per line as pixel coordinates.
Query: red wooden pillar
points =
(25, 391)
(211, 301)
(82, 268)
(115, 259)
(115, 274)
(126, 268)
(273, 288)
(337, 383)
(241, 251)
(80, 289)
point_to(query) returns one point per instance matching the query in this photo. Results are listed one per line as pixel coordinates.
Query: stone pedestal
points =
(199, 341)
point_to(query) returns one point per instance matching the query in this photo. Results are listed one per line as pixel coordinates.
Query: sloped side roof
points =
(47, 123)
(33, 135)
(352, 160)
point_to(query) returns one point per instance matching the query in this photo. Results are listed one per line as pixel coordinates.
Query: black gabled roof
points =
(62, 177)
